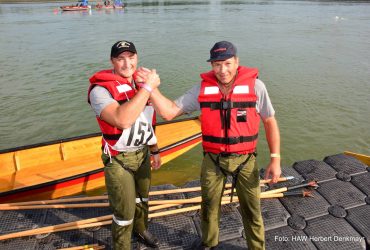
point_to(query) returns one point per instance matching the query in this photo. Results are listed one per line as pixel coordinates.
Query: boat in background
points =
(72, 166)
(118, 4)
(82, 5)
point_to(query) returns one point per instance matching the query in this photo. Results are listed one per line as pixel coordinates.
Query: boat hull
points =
(75, 8)
(73, 166)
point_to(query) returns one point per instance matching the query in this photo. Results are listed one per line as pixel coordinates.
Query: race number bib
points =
(139, 134)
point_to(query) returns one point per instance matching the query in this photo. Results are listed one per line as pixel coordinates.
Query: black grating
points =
(174, 232)
(308, 207)
(286, 238)
(345, 163)
(341, 193)
(65, 239)
(362, 182)
(328, 232)
(274, 214)
(234, 244)
(359, 218)
(231, 225)
(103, 237)
(19, 220)
(25, 243)
(314, 170)
(59, 216)
(190, 184)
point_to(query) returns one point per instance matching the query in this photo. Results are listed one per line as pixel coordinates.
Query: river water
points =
(314, 57)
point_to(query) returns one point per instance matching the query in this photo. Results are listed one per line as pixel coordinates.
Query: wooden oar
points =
(158, 207)
(284, 189)
(48, 229)
(162, 203)
(183, 210)
(287, 178)
(105, 197)
(81, 205)
(57, 201)
(86, 247)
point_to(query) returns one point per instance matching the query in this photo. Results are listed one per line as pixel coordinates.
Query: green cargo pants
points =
(128, 190)
(248, 190)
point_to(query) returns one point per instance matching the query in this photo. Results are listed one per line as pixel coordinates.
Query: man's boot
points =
(148, 239)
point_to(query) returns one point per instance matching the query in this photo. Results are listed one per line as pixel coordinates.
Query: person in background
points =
(232, 101)
(126, 119)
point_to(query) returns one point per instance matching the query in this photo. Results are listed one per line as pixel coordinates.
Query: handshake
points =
(149, 79)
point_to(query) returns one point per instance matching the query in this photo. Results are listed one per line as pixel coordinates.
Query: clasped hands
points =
(149, 77)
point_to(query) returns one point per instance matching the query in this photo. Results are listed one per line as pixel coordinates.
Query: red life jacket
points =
(229, 123)
(122, 91)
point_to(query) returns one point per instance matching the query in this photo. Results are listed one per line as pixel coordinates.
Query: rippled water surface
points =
(314, 58)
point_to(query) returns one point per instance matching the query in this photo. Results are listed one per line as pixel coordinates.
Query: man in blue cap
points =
(232, 101)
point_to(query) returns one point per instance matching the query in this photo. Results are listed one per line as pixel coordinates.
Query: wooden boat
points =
(72, 166)
(75, 8)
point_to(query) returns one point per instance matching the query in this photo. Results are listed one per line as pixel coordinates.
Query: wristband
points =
(275, 155)
(146, 86)
(154, 152)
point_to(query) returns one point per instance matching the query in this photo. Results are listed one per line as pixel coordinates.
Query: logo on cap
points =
(123, 44)
(222, 51)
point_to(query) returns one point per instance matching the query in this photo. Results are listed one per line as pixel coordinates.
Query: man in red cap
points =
(125, 118)
(232, 101)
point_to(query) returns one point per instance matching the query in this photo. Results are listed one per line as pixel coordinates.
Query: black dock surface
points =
(337, 217)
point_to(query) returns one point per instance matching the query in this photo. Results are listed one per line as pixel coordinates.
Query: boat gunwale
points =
(74, 138)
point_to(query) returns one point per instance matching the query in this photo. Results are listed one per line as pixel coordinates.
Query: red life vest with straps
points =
(121, 91)
(230, 123)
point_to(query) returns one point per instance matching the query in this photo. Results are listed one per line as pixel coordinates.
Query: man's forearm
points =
(272, 135)
(165, 107)
(123, 116)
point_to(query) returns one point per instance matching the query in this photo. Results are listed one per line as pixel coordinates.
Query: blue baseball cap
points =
(222, 51)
